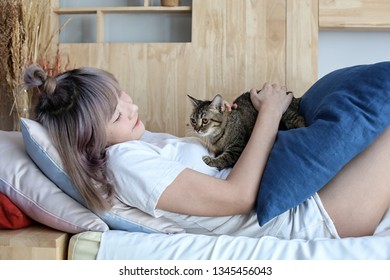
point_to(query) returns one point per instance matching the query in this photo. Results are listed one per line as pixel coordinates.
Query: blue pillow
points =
(345, 111)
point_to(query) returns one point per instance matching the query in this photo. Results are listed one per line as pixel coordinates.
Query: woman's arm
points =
(194, 193)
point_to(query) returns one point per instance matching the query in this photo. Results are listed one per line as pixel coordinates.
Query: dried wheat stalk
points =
(26, 38)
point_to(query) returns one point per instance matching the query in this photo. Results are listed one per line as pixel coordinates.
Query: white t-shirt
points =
(143, 169)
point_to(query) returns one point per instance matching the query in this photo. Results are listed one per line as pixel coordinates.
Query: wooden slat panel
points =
(128, 9)
(235, 45)
(361, 14)
(302, 45)
(238, 44)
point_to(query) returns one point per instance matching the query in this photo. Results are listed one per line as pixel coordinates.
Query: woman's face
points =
(125, 124)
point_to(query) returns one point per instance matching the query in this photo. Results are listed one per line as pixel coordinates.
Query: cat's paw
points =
(213, 162)
(208, 160)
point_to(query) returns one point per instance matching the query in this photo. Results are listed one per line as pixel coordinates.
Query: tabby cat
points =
(226, 132)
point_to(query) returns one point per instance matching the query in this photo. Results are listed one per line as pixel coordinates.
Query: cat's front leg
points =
(215, 162)
(227, 159)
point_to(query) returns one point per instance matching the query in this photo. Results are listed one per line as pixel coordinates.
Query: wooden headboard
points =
(235, 45)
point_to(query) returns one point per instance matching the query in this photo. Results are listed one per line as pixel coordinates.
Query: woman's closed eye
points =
(118, 118)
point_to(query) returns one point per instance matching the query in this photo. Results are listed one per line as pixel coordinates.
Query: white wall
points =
(338, 49)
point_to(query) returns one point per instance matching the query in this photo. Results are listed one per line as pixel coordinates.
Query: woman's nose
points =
(133, 110)
(135, 107)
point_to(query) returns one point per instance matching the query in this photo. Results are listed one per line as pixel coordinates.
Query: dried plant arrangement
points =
(27, 38)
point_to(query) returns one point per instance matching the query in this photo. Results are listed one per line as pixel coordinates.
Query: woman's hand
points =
(271, 98)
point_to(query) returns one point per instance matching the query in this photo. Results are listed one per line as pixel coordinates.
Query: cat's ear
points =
(218, 103)
(195, 102)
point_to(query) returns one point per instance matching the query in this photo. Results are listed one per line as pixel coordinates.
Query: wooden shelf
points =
(101, 12)
(127, 9)
(359, 14)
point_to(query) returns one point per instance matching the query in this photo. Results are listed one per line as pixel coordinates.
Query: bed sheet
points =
(121, 245)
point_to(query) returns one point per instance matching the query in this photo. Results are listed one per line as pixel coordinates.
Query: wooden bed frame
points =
(36, 242)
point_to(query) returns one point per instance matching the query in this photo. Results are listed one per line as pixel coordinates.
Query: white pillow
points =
(120, 217)
(35, 195)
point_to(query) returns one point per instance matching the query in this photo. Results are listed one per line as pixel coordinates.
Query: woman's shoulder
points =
(149, 136)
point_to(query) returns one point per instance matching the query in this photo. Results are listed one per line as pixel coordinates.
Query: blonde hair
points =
(75, 108)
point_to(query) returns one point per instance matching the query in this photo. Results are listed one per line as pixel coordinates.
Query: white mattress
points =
(121, 245)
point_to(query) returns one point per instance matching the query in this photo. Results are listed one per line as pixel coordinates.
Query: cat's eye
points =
(193, 121)
(205, 121)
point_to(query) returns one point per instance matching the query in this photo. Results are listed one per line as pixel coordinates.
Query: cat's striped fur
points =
(226, 132)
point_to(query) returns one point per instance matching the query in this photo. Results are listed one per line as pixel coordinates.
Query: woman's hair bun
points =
(35, 76)
(50, 101)
(49, 86)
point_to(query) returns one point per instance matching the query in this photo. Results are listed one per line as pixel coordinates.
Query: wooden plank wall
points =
(235, 45)
(301, 44)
